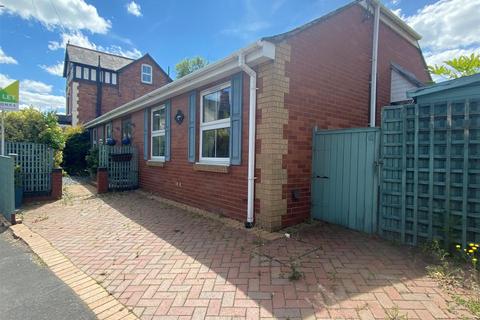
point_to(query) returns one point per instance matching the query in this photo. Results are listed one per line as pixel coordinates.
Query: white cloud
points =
(75, 37)
(134, 53)
(449, 28)
(55, 69)
(80, 39)
(442, 56)
(134, 8)
(6, 59)
(36, 86)
(67, 14)
(36, 94)
(448, 24)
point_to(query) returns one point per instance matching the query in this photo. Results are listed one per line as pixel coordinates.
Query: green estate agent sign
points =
(9, 97)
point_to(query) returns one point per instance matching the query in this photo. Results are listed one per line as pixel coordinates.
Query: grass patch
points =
(471, 303)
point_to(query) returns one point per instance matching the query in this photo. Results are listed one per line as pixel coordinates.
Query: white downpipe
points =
(251, 137)
(373, 82)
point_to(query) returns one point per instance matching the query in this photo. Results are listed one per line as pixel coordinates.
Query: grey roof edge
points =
(102, 52)
(407, 74)
(445, 85)
(387, 12)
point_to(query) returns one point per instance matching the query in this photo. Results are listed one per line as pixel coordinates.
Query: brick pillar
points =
(57, 174)
(102, 180)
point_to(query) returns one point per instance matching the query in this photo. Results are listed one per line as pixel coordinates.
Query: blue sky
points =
(33, 33)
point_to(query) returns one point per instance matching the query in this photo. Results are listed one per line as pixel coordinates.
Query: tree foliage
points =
(189, 65)
(457, 67)
(77, 146)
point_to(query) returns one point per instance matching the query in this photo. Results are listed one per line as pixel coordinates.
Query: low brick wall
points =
(55, 193)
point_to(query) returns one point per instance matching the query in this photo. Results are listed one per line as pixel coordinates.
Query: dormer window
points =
(146, 75)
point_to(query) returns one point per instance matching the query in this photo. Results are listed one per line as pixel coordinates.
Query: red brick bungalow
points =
(244, 148)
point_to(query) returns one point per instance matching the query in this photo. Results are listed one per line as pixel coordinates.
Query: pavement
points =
(164, 262)
(29, 290)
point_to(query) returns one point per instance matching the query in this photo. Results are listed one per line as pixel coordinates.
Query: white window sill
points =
(155, 163)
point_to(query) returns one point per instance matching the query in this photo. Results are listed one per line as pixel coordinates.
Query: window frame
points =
(142, 73)
(157, 133)
(216, 124)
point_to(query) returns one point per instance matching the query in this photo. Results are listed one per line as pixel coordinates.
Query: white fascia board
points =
(395, 22)
(255, 54)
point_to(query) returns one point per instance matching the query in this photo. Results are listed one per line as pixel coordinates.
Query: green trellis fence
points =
(430, 186)
(36, 164)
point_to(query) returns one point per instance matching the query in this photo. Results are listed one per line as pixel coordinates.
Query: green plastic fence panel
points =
(430, 186)
(7, 186)
(36, 164)
(122, 166)
(345, 179)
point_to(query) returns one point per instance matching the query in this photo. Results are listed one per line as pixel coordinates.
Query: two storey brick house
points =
(98, 82)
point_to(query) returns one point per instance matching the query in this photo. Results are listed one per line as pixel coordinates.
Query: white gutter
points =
(256, 53)
(252, 108)
(373, 82)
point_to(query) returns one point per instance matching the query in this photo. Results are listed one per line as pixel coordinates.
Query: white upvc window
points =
(78, 72)
(215, 124)
(107, 77)
(157, 142)
(86, 73)
(146, 75)
(114, 78)
(93, 74)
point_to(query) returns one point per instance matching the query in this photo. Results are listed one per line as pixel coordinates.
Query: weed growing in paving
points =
(394, 314)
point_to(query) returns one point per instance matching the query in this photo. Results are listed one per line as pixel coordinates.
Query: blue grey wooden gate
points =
(345, 177)
(122, 166)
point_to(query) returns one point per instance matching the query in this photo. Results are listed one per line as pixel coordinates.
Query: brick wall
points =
(329, 74)
(129, 87)
(221, 193)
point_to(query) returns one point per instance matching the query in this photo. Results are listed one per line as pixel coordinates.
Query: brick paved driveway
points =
(165, 263)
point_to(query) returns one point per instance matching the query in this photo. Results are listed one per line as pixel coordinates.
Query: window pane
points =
(158, 146)
(146, 69)
(93, 75)
(224, 108)
(78, 72)
(158, 120)
(85, 74)
(210, 107)
(208, 144)
(223, 143)
(216, 105)
(114, 78)
(126, 129)
(107, 77)
(146, 78)
(216, 143)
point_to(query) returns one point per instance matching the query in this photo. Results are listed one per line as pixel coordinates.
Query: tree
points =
(31, 125)
(189, 65)
(457, 67)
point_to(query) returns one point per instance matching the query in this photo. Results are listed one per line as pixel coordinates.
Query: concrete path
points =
(29, 290)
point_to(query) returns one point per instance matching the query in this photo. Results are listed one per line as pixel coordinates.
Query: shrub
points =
(77, 146)
(92, 160)
(31, 125)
